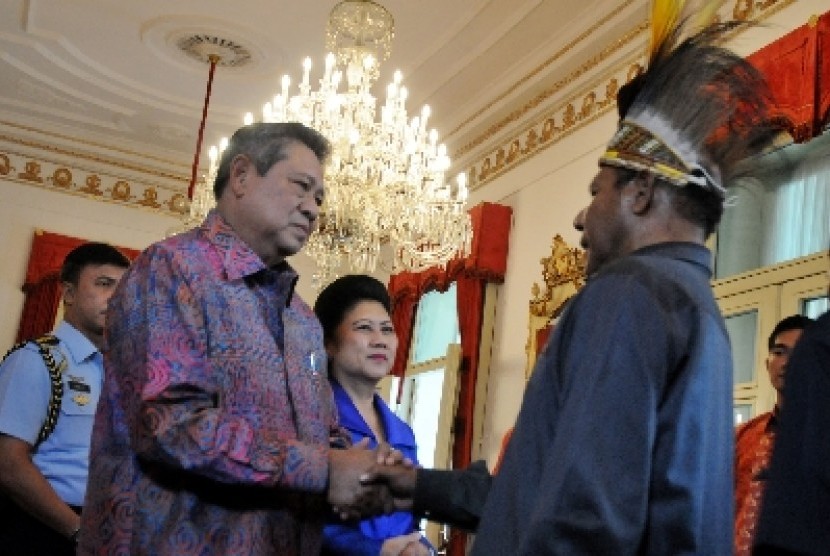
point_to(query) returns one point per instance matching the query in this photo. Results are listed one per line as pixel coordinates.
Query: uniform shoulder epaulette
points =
(46, 344)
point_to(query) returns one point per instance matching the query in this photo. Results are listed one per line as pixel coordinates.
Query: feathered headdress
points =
(696, 110)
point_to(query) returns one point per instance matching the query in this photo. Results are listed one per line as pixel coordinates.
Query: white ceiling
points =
(108, 72)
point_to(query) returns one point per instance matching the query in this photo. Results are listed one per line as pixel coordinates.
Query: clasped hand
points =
(364, 482)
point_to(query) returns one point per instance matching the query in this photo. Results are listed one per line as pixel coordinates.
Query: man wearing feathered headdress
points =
(624, 441)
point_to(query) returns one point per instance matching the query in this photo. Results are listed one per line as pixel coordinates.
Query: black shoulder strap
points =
(45, 344)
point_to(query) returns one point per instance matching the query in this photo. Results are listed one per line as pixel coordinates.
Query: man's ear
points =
(240, 169)
(641, 191)
(68, 293)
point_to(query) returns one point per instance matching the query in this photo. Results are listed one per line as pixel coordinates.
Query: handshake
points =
(364, 482)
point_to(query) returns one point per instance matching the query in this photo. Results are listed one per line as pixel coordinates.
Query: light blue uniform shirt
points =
(25, 389)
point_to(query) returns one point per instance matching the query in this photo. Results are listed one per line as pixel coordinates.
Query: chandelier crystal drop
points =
(385, 178)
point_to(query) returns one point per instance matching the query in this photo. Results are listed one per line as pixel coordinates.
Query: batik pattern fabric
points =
(213, 429)
(753, 447)
(624, 442)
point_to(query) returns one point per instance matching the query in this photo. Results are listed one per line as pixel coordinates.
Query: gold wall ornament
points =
(485, 170)
(150, 198)
(178, 203)
(513, 153)
(743, 9)
(62, 177)
(634, 70)
(546, 133)
(548, 129)
(121, 191)
(588, 105)
(499, 159)
(564, 265)
(611, 90)
(5, 165)
(92, 185)
(563, 274)
(31, 172)
(531, 141)
(569, 117)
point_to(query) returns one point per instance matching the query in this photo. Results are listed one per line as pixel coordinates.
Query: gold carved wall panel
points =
(563, 274)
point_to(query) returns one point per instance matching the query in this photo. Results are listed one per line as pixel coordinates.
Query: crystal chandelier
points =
(385, 177)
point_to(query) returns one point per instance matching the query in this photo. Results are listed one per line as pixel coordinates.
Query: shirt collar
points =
(239, 260)
(351, 419)
(78, 345)
(690, 252)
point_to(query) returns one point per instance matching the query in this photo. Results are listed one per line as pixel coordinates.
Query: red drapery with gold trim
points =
(486, 263)
(797, 67)
(42, 285)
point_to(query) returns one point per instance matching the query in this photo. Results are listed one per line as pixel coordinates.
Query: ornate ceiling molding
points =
(98, 146)
(558, 55)
(582, 108)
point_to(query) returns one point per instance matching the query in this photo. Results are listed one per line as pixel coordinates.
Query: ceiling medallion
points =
(201, 46)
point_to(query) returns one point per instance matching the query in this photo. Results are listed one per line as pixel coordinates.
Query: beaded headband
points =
(635, 147)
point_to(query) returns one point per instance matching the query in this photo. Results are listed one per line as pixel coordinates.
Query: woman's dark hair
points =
(339, 297)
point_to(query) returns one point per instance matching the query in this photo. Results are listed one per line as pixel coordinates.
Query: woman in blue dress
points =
(361, 344)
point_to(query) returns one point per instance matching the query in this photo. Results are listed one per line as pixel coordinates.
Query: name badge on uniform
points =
(80, 390)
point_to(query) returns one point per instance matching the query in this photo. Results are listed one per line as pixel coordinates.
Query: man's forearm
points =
(27, 488)
(455, 497)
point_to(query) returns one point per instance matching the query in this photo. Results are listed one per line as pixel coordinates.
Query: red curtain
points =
(486, 263)
(40, 306)
(42, 285)
(797, 67)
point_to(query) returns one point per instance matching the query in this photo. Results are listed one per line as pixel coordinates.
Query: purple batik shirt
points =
(212, 432)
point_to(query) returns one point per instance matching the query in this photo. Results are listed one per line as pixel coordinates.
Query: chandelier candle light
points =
(385, 178)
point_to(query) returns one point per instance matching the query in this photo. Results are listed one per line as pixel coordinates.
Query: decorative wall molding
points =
(64, 178)
(582, 108)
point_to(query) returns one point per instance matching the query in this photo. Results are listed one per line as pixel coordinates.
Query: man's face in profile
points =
(779, 356)
(602, 222)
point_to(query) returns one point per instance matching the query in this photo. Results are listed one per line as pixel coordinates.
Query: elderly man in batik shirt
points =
(215, 423)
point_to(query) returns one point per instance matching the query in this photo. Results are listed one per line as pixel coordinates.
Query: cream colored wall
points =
(545, 194)
(25, 209)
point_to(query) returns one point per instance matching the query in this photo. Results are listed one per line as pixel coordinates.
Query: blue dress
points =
(366, 537)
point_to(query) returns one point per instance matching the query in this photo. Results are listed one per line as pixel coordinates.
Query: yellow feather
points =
(708, 13)
(665, 16)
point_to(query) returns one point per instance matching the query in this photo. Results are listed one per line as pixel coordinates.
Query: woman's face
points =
(364, 343)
